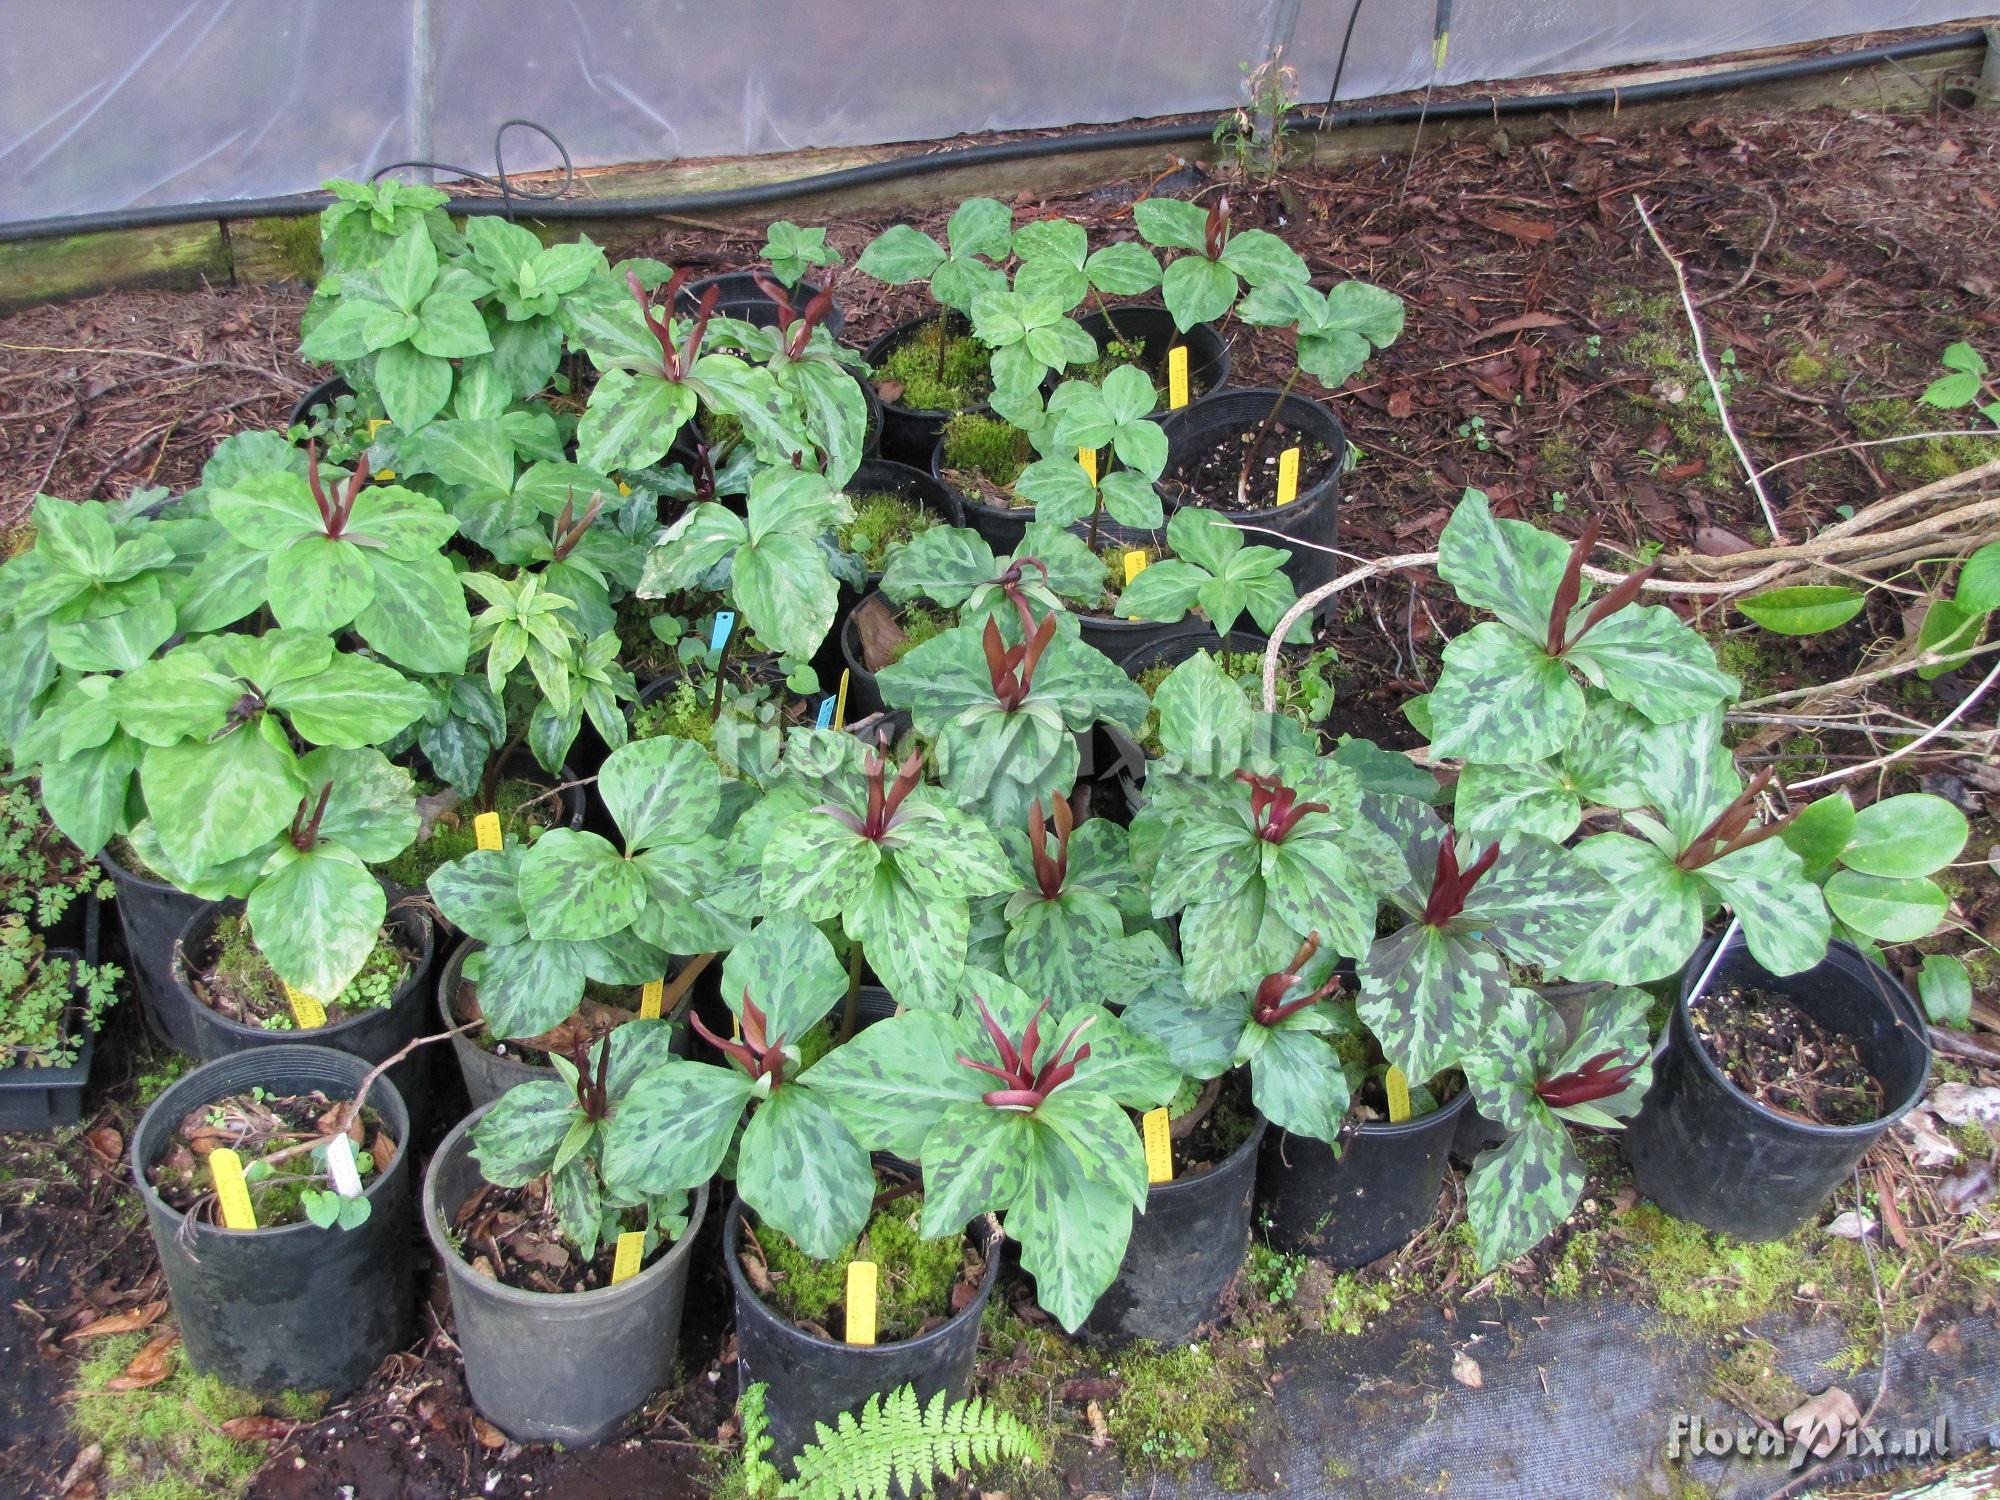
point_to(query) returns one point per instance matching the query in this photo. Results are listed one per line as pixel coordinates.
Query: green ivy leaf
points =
(1905, 836)
(1946, 989)
(1889, 911)
(1807, 609)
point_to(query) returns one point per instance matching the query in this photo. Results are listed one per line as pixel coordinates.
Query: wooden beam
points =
(177, 255)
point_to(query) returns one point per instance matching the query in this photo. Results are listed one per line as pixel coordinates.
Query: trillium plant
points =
(1014, 1107)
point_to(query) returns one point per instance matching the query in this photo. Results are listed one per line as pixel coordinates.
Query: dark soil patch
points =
(594, 1019)
(1217, 1129)
(1784, 1059)
(1209, 475)
(277, 1130)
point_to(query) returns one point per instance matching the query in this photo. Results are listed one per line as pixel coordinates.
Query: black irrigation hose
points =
(923, 164)
(498, 179)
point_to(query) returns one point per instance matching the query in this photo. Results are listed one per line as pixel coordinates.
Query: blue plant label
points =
(725, 621)
(826, 712)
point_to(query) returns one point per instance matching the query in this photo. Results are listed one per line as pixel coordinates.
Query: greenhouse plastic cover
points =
(116, 103)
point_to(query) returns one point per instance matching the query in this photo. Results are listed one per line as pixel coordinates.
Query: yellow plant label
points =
(861, 1302)
(1088, 458)
(1135, 564)
(375, 425)
(651, 998)
(1177, 377)
(1288, 476)
(840, 700)
(624, 488)
(1159, 1148)
(486, 830)
(625, 1261)
(1399, 1095)
(231, 1191)
(307, 1013)
(385, 474)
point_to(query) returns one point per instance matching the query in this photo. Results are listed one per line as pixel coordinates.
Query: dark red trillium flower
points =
(1596, 1079)
(337, 507)
(1571, 589)
(753, 1054)
(1051, 870)
(1451, 887)
(1026, 1084)
(1275, 806)
(1216, 231)
(1731, 830)
(797, 327)
(1271, 1007)
(1012, 668)
(570, 527)
(593, 1090)
(675, 364)
(1009, 583)
(885, 800)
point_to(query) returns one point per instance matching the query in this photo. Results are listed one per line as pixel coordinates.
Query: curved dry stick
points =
(1914, 745)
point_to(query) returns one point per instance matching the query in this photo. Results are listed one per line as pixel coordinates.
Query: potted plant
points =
(932, 367)
(835, 409)
(809, 1198)
(1015, 1109)
(319, 1291)
(560, 1341)
(546, 921)
(51, 1005)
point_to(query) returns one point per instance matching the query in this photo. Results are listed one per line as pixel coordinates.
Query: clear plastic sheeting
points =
(119, 103)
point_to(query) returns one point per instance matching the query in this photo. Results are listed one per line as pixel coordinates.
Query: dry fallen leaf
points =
(106, 1144)
(1465, 1370)
(1962, 1103)
(1967, 1186)
(1823, 1420)
(1928, 1148)
(79, 1481)
(1100, 1430)
(124, 1322)
(149, 1366)
(1853, 1225)
(489, 1436)
(259, 1429)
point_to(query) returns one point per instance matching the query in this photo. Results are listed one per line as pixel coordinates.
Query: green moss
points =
(1749, 1379)
(1351, 1302)
(1756, 658)
(682, 712)
(526, 813)
(243, 968)
(721, 432)
(295, 242)
(986, 446)
(1710, 1282)
(882, 521)
(915, 1275)
(162, 1443)
(1563, 461)
(920, 624)
(1174, 1409)
(951, 379)
(1928, 461)
(1808, 370)
(1574, 1264)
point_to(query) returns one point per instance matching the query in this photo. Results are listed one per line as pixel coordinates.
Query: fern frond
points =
(896, 1444)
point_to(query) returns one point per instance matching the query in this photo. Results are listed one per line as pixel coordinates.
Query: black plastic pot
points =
(1185, 1250)
(1704, 1150)
(1353, 1207)
(741, 298)
(910, 433)
(373, 1036)
(1152, 328)
(152, 914)
(864, 694)
(1314, 517)
(324, 394)
(1001, 527)
(556, 1367)
(811, 1380)
(490, 1074)
(297, 1308)
(79, 929)
(34, 1099)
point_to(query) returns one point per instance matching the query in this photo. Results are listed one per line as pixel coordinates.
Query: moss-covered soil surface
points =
(1546, 361)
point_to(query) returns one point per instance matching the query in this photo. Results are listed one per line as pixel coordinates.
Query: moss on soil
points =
(526, 813)
(963, 379)
(920, 624)
(163, 1442)
(915, 1275)
(239, 965)
(1927, 461)
(881, 522)
(681, 712)
(986, 446)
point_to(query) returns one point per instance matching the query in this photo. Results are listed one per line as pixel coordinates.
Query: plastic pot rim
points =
(419, 971)
(732, 1240)
(1386, 1130)
(1292, 401)
(893, 338)
(632, 1289)
(1900, 1005)
(1183, 1186)
(148, 882)
(151, 1198)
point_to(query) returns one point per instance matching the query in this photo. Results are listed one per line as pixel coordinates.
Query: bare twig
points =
(1907, 437)
(1755, 255)
(1914, 745)
(1708, 369)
